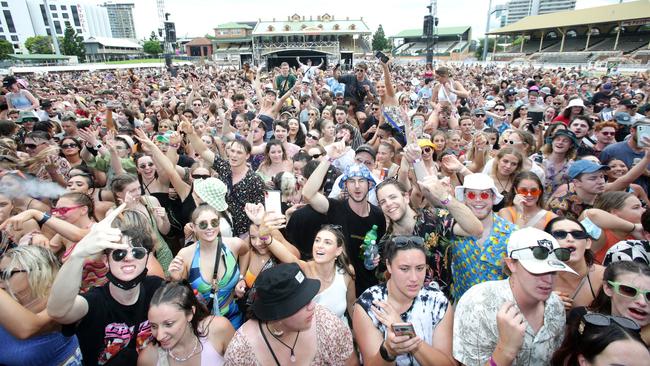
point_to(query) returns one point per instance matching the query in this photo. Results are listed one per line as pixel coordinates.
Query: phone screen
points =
(641, 132)
(272, 201)
(401, 329)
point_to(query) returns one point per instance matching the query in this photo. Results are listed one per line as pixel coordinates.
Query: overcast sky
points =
(195, 18)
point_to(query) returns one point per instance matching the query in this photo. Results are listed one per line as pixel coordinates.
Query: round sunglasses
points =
(118, 255)
(203, 225)
(474, 195)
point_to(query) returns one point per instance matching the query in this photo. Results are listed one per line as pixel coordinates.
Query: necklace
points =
(277, 338)
(183, 359)
(503, 187)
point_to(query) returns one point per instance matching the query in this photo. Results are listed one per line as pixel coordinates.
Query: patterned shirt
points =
(472, 264)
(569, 204)
(435, 226)
(476, 333)
(554, 178)
(426, 312)
(249, 189)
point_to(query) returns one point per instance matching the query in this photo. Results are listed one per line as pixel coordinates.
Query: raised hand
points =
(176, 268)
(255, 212)
(272, 221)
(512, 328)
(102, 236)
(434, 187)
(336, 150)
(451, 163)
(412, 152)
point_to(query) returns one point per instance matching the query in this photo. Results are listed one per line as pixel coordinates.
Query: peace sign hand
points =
(102, 236)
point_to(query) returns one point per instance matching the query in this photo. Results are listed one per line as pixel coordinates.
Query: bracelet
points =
(417, 161)
(446, 201)
(383, 352)
(492, 362)
(633, 228)
(98, 146)
(43, 220)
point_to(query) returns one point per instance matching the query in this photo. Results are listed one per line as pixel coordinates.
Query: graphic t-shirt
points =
(112, 333)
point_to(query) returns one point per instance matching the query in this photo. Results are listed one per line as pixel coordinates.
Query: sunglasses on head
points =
(6, 275)
(402, 241)
(142, 166)
(576, 234)
(542, 253)
(629, 291)
(64, 210)
(201, 176)
(68, 146)
(484, 195)
(203, 225)
(602, 320)
(118, 255)
(535, 192)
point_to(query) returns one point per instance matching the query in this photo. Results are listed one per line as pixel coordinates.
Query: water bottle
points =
(370, 248)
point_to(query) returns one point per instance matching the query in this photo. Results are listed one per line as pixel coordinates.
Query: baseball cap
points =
(644, 121)
(478, 111)
(478, 181)
(366, 148)
(623, 118)
(529, 244)
(628, 250)
(425, 143)
(628, 103)
(584, 166)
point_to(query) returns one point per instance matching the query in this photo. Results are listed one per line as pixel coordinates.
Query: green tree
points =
(6, 49)
(39, 44)
(152, 47)
(479, 48)
(379, 41)
(72, 44)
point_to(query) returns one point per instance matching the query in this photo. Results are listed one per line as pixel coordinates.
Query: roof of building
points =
(233, 25)
(600, 14)
(232, 40)
(199, 41)
(37, 57)
(441, 31)
(323, 24)
(113, 42)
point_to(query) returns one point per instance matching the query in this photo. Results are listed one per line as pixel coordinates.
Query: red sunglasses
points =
(64, 210)
(529, 192)
(473, 195)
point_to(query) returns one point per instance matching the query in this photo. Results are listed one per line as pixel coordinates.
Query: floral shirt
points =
(62, 167)
(569, 204)
(554, 177)
(476, 333)
(426, 312)
(249, 189)
(472, 264)
(435, 226)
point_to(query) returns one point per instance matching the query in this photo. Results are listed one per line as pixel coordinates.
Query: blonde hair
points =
(40, 264)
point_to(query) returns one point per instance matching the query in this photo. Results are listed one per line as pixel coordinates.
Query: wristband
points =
(446, 201)
(174, 146)
(417, 161)
(98, 146)
(383, 352)
(43, 220)
(491, 361)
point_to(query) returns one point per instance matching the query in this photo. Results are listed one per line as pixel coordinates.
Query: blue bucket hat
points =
(357, 170)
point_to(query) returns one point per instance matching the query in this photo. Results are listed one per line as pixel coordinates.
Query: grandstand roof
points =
(441, 31)
(233, 25)
(113, 42)
(601, 14)
(325, 24)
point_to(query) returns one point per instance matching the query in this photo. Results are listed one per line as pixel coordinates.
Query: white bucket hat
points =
(478, 181)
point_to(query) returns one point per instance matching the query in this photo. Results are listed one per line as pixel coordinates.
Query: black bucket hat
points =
(281, 291)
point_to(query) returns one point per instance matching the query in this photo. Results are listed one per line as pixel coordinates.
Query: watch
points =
(98, 146)
(383, 352)
(43, 220)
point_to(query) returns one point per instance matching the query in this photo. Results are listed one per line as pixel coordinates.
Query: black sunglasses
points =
(142, 166)
(6, 275)
(68, 146)
(602, 320)
(118, 255)
(30, 146)
(402, 241)
(310, 136)
(576, 234)
(203, 225)
(316, 156)
(201, 176)
(542, 253)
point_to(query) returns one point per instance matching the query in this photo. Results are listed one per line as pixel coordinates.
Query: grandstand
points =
(450, 40)
(620, 31)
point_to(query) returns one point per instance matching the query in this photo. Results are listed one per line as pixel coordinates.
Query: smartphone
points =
(380, 55)
(272, 201)
(401, 329)
(536, 117)
(418, 126)
(641, 132)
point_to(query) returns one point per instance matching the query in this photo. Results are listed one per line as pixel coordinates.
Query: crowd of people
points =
(391, 214)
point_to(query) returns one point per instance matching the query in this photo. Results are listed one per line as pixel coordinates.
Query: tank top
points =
(19, 101)
(443, 96)
(610, 240)
(334, 298)
(209, 355)
(47, 349)
(226, 286)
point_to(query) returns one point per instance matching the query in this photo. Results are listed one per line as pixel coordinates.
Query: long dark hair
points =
(342, 261)
(182, 296)
(581, 338)
(521, 176)
(603, 303)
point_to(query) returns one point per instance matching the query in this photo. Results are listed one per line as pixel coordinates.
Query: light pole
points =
(487, 29)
